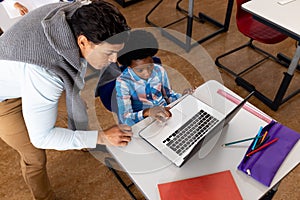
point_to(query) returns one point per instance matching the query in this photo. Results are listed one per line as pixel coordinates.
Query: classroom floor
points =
(77, 175)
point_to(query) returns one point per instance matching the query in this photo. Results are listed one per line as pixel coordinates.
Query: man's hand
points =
(117, 136)
(22, 9)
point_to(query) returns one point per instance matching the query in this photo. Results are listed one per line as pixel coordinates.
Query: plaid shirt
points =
(135, 94)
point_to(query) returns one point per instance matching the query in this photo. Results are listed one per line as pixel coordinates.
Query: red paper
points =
(215, 186)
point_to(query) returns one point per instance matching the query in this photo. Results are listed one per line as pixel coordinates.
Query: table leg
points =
(187, 45)
(287, 79)
(279, 98)
(108, 161)
(286, 59)
(223, 27)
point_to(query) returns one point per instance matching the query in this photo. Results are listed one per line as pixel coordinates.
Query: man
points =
(42, 55)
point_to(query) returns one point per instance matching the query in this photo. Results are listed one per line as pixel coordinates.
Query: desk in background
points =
(187, 45)
(283, 18)
(5, 21)
(147, 167)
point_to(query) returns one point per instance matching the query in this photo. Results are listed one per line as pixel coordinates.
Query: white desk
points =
(147, 167)
(5, 21)
(284, 18)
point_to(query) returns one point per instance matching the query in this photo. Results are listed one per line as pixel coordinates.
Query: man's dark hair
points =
(141, 44)
(98, 22)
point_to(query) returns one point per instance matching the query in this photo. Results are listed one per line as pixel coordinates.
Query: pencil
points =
(262, 147)
(255, 141)
(239, 141)
(263, 142)
(263, 138)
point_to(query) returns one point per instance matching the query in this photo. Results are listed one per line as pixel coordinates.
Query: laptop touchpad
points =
(177, 119)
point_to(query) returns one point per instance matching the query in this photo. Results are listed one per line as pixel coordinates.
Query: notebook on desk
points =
(182, 135)
(29, 4)
(216, 186)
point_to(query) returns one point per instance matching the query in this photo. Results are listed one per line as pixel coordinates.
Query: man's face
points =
(100, 55)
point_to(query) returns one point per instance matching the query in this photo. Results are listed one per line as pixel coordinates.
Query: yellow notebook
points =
(217, 186)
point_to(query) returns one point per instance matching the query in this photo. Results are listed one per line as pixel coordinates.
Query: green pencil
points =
(239, 141)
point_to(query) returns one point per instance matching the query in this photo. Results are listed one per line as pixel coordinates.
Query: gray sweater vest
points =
(44, 38)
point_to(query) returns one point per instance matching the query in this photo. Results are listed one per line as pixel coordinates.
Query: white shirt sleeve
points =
(40, 92)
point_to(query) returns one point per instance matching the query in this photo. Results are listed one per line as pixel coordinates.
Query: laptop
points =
(182, 135)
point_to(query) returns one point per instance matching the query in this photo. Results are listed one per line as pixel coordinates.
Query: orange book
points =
(215, 186)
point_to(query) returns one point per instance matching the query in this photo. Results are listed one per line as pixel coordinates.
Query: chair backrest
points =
(107, 92)
(255, 29)
(240, 13)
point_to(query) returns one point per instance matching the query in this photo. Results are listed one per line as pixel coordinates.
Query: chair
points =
(256, 31)
(190, 17)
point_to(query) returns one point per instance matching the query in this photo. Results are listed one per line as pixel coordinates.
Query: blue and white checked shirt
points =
(135, 94)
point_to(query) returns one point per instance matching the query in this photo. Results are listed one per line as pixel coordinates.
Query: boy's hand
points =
(188, 91)
(159, 113)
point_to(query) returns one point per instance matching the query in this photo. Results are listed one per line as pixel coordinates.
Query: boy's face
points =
(143, 67)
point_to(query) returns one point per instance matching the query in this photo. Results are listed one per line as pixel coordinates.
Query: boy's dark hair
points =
(141, 44)
(99, 21)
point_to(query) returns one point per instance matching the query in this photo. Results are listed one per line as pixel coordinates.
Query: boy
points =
(143, 88)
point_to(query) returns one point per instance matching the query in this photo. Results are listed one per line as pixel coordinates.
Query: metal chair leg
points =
(148, 21)
(124, 3)
(255, 48)
(190, 18)
(279, 98)
(269, 195)
(107, 161)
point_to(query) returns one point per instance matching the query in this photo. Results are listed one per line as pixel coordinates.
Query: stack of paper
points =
(29, 4)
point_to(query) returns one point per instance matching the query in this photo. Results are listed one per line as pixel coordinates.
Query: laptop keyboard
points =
(190, 132)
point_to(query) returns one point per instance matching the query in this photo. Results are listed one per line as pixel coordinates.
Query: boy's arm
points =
(125, 111)
(167, 91)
